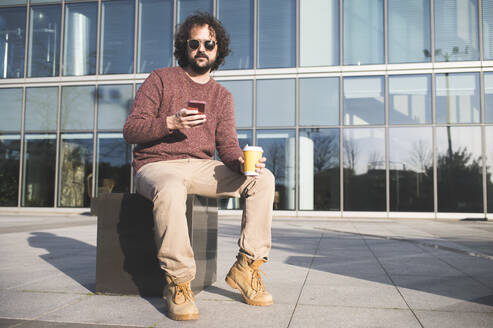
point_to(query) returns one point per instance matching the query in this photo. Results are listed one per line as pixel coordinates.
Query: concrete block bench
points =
(126, 260)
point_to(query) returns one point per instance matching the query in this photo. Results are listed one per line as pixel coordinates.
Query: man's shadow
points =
(73, 257)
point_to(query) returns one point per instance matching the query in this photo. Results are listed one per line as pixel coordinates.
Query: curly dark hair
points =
(215, 27)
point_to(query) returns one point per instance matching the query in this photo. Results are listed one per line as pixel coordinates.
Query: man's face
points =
(201, 59)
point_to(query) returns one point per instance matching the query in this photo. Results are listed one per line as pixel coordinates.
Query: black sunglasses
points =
(195, 44)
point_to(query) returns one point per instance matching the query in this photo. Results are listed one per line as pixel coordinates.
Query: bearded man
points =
(173, 158)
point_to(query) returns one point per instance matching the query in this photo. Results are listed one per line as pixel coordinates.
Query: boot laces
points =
(183, 289)
(257, 283)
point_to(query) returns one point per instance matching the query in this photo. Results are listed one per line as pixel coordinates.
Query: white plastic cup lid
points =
(252, 148)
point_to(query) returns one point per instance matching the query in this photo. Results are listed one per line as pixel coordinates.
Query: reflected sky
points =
(319, 101)
(10, 115)
(364, 149)
(41, 109)
(488, 97)
(276, 102)
(410, 99)
(364, 100)
(78, 108)
(114, 105)
(242, 92)
(411, 149)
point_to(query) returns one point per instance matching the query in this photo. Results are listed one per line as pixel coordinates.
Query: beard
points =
(194, 65)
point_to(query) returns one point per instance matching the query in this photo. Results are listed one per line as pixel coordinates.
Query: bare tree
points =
(421, 156)
(326, 152)
(351, 153)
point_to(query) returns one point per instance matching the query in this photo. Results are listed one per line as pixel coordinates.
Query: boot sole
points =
(183, 317)
(233, 285)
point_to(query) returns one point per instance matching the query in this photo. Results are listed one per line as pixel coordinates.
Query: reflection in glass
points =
(237, 18)
(12, 42)
(319, 20)
(410, 99)
(242, 92)
(41, 109)
(456, 30)
(319, 181)
(411, 169)
(44, 41)
(457, 98)
(11, 110)
(38, 185)
(114, 105)
(189, 7)
(488, 97)
(364, 169)
(409, 31)
(319, 101)
(459, 169)
(79, 49)
(75, 170)
(113, 163)
(244, 138)
(155, 35)
(117, 37)
(276, 102)
(363, 32)
(9, 169)
(487, 17)
(364, 100)
(279, 149)
(276, 33)
(78, 108)
(489, 166)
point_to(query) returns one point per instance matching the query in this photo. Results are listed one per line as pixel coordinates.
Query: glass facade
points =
(379, 106)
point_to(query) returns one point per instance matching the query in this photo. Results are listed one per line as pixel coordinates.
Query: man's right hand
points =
(185, 119)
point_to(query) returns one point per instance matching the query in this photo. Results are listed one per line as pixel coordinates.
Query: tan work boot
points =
(245, 276)
(181, 305)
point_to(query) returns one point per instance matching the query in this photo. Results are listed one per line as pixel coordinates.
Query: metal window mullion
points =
(99, 38)
(131, 187)
(21, 150)
(297, 146)
(385, 32)
(254, 112)
(95, 156)
(434, 145)
(297, 33)
(136, 31)
(432, 30)
(62, 37)
(341, 145)
(341, 31)
(26, 42)
(480, 30)
(387, 144)
(483, 145)
(175, 20)
(255, 31)
(58, 146)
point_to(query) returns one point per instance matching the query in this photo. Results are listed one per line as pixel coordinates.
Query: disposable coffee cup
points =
(252, 156)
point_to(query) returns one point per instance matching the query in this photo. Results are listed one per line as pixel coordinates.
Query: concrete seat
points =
(126, 260)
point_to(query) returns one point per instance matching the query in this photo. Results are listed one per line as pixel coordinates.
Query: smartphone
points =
(197, 105)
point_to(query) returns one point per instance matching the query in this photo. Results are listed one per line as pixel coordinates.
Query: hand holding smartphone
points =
(197, 105)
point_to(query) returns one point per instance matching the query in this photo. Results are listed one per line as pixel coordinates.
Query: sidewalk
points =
(322, 273)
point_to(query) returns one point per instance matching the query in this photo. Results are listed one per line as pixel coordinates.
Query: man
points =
(173, 158)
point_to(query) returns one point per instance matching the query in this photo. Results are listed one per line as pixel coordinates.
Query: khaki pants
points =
(167, 184)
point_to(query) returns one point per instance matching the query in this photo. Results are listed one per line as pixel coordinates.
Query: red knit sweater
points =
(165, 92)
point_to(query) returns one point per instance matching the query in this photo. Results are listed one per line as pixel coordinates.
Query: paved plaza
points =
(322, 273)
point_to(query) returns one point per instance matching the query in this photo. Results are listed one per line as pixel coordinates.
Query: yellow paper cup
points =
(252, 155)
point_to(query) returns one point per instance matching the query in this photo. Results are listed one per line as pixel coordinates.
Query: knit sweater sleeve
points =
(144, 124)
(226, 139)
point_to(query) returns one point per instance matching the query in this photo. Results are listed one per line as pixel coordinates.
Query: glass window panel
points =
(363, 32)
(488, 97)
(276, 33)
(409, 31)
(364, 101)
(75, 170)
(364, 169)
(13, 2)
(279, 149)
(457, 98)
(242, 92)
(319, 101)
(44, 41)
(237, 18)
(489, 166)
(459, 169)
(411, 169)
(9, 168)
(114, 160)
(456, 30)
(79, 50)
(319, 171)
(38, 187)
(319, 33)
(12, 42)
(189, 7)
(410, 99)
(44, 1)
(244, 138)
(155, 39)
(487, 16)
(275, 102)
(11, 109)
(78, 108)
(41, 109)
(117, 37)
(114, 105)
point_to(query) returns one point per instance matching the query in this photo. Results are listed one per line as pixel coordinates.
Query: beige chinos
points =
(167, 184)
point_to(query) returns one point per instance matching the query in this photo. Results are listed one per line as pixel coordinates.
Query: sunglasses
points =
(195, 44)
